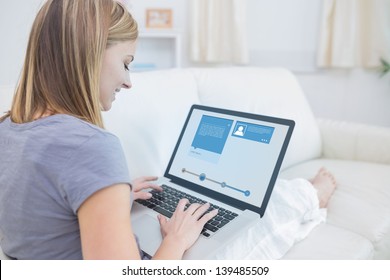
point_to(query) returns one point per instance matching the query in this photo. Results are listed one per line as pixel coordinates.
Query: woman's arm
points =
(106, 231)
(105, 225)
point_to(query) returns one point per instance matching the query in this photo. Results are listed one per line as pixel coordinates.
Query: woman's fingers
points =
(148, 185)
(193, 208)
(208, 216)
(143, 183)
(181, 205)
(186, 223)
(197, 211)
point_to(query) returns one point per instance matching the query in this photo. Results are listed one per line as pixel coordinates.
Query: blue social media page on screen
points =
(229, 154)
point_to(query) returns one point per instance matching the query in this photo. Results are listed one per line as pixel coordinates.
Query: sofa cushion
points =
(148, 118)
(355, 141)
(266, 91)
(360, 203)
(332, 243)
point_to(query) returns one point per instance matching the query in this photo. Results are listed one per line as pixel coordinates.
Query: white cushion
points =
(332, 243)
(354, 141)
(360, 203)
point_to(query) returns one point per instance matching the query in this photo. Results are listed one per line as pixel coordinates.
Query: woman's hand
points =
(143, 183)
(185, 226)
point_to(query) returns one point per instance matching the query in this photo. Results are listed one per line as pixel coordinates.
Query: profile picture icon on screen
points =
(240, 130)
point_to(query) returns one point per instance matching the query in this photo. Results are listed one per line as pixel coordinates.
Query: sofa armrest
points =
(354, 141)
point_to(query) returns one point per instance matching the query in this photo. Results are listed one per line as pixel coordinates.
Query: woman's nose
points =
(127, 84)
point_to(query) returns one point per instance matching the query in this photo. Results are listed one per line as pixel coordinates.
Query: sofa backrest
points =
(149, 117)
(264, 91)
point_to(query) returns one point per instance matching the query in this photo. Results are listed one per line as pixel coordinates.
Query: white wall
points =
(16, 18)
(357, 95)
(281, 33)
(285, 33)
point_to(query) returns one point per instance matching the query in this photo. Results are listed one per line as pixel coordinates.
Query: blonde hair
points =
(61, 72)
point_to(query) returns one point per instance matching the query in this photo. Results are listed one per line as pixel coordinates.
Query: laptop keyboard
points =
(165, 203)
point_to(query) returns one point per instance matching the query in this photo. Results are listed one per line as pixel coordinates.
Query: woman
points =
(65, 192)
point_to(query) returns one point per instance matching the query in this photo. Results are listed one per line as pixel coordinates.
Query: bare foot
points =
(325, 184)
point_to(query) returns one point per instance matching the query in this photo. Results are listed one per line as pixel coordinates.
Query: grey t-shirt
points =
(48, 168)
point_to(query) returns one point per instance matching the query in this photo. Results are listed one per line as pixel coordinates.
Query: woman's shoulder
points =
(58, 123)
(61, 121)
(63, 133)
(60, 135)
(69, 126)
(79, 131)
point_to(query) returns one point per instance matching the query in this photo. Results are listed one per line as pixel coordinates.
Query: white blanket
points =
(292, 212)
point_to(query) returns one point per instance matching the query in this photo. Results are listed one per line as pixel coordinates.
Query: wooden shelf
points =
(158, 49)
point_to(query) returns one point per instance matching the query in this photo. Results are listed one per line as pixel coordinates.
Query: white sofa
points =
(149, 117)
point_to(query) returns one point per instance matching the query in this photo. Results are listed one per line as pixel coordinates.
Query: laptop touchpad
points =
(147, 229)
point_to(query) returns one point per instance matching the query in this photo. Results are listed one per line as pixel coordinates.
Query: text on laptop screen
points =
(229, 154)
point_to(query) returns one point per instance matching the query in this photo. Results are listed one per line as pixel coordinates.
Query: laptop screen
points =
(231, 156)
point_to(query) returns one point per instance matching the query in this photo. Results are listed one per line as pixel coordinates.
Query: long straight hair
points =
(61, 71)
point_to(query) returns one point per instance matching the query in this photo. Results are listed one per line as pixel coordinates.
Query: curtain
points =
(218, 31)
(355, 33)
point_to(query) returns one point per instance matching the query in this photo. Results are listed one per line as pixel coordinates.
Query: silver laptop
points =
(227, 158)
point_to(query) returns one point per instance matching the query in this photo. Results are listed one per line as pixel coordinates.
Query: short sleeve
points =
(97, 163)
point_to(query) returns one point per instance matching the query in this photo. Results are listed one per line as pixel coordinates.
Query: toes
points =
(329, 175)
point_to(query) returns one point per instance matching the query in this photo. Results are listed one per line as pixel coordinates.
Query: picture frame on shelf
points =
(158, 18)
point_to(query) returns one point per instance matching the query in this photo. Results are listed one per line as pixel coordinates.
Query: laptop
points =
(227, 158)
